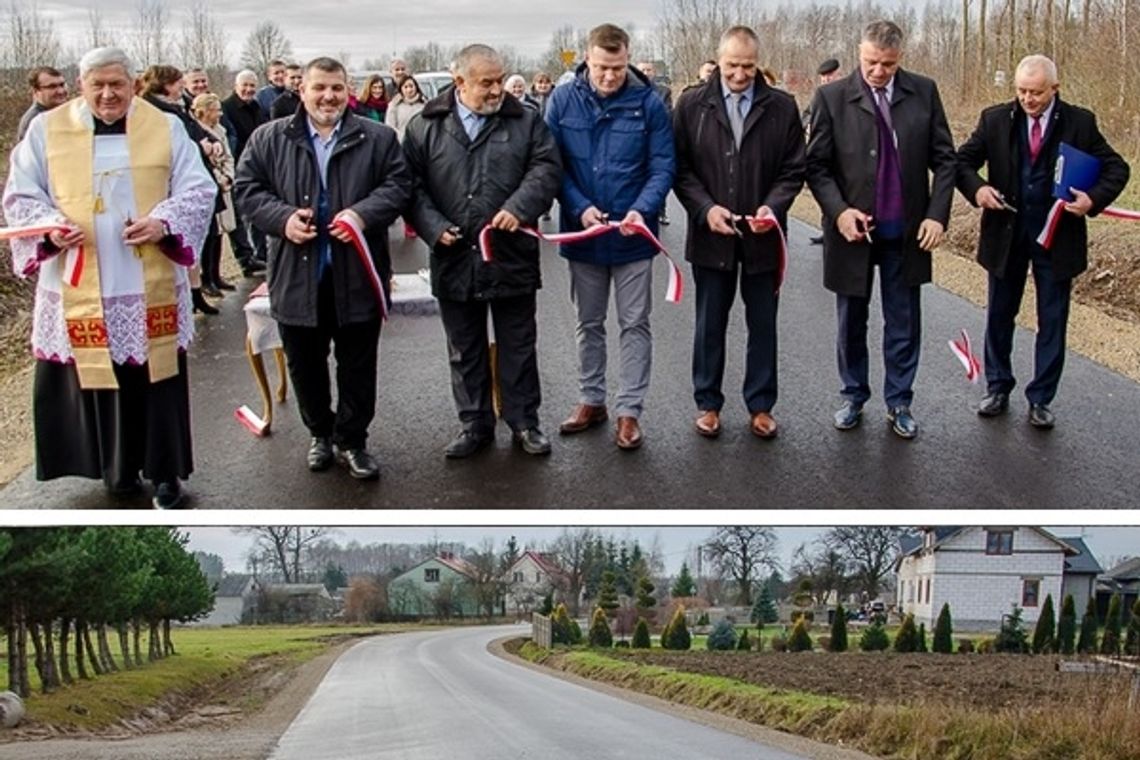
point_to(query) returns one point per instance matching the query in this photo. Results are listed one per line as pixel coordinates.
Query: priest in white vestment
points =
(129, 202)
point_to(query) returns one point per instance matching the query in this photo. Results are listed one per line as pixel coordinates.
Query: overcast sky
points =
(677, 543)
(374, 30)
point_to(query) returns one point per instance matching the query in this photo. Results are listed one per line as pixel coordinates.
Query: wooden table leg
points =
(258, 368)
(282, 385)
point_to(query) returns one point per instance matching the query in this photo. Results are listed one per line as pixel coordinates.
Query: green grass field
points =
(205, 658)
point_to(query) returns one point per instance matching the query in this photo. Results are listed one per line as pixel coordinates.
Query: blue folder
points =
(1074, 168)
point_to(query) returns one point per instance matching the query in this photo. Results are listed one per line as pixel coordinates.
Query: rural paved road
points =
(959, 460)
(429, 695)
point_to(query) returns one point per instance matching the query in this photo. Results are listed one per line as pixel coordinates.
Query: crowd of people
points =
(137, 181)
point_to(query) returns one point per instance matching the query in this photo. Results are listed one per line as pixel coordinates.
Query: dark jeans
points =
(716, 291)
(902, 333)
(355, 349)
(465, 323)
(1002, 305)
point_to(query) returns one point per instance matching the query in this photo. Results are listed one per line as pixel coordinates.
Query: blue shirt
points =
(745, 98)
(323, 148)
(472, 122)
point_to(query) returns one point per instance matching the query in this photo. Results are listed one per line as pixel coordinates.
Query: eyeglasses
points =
(52, 86)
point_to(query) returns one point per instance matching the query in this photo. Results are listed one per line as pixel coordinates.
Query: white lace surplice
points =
(187, 210)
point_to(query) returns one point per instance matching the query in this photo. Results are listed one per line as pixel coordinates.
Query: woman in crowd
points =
(207, 110)
(162, 87)
(409, 102)
(516, 85)
(373, 100)
(541, 87)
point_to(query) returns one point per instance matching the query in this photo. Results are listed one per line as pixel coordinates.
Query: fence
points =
(541, 632)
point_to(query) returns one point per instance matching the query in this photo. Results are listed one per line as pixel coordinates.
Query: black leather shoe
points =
(1040, 417)
(168, 495)
(533, 441)
(994, 404)
(221, 284)
(320, 454)
(817, 240)
(211, 291)
(253, 270)
(361, 465)
(902, 423)
(849, 416)
(465, 444)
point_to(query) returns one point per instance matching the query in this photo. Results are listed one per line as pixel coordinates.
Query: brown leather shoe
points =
(763, 425)
(628, 435)
(584, 417)
(708, 423)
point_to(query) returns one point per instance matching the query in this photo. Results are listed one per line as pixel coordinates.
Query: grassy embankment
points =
(1106, 730)
(208, 660)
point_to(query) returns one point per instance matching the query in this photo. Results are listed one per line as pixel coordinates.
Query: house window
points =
(928, 591)
(538, 576)
(431, 575)
(999, 542)
(518, 576)
(1030, 591)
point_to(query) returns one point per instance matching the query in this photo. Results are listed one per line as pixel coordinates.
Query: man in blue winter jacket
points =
(618, 159)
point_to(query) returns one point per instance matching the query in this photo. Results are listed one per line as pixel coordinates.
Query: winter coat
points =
(400, 112)
(767, 170)
(278, 174)
(995, 143)
(242, 117)
(512, 165)
(617, 155)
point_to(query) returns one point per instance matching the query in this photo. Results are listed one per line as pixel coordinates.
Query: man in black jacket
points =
(881, 165)
(478, 157)
(242, 115)
(296, 180)
(729, 166)
(1019, 142)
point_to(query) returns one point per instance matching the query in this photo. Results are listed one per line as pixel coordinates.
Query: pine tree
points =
(547, 605)
(1086, 644)
(1045, 631)
(764, 610)
(600, 634)
(1067, 625)
(800, 640)
(874, 638)
(944, 632)
(560, 626)
(839, 630)
(684, 585)
(1012, 638)
(678, 632)
(1132, 638)
(744, 644)
(906, 638)
(641, 638)
(722, 638)
(1110, 644)
(920, 642)
(646, 602)
(607, 594)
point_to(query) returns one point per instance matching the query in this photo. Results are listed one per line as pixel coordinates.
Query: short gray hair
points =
(245, 74)
(468, 55)
(105, 56)
(737, 32)
(1038, 62)
(514, 78)
(885, 35)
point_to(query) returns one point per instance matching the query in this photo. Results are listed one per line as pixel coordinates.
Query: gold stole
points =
(71, 173)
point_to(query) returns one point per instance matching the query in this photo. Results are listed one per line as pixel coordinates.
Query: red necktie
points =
(1035, 139)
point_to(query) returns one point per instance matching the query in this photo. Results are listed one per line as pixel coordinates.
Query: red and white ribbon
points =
(1045, 239)
(349, 225)
(33, 230)
(961, 348)
(251, 420)
(767, 223)
(675, 288)
(72, 264)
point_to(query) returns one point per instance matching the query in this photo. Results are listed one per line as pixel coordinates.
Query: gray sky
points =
(372, 30)
(676, 542)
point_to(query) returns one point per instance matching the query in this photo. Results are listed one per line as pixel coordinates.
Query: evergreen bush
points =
(1012, 637)
(920, 642)
(722, 638)
(560, 626)
(600, 634)
(641, 638)
(1110, 644)
(874, 638)
(800, 640)
(944, 632)
(678, 632)
(1067, 626)
(838, 640)
(744, 643)
(1087, 642)
(906, 640)
(1044, 633)
(1132, 637)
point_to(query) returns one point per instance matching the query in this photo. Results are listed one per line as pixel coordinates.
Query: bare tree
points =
(29, 39)
(203, 41)
(573, 550)
(148, 38)
(739, 552)
(825, 567)
(265, 43)
(870, 549)
(97, 32)
(280, 547)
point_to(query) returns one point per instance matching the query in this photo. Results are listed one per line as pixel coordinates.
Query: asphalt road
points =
(958, 460)
(424, 696)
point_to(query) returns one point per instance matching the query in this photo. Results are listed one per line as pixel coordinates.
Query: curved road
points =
(958, 460)
(439, 694)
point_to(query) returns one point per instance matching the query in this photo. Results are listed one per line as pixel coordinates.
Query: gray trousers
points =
(590, 292)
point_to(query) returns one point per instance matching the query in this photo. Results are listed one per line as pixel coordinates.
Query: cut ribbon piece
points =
(1045, 239)
(360, 244)
(251, 420)
(961, 348)
(673, 292)
(767, 223)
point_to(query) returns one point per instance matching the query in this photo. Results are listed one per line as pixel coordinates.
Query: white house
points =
(233, 594)
(530, 578)
(982, 573)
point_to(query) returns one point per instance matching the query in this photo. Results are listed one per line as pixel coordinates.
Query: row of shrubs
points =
(1049, 636)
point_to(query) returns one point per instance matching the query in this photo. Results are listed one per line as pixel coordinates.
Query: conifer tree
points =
(800, 640)
(1067, 625)
(1110, 644)
(560, 626)
(920, 641)
(906, 638)
(1044, 632)
(641, 638)
(722, 638)
(874, 638)
(1086, 644)
(744, 644)
(944, 632)
(764, 610)
(678, 632)
(607, 594)
(839, 630)
(1132, 637)
(684, 585)
(600, 634)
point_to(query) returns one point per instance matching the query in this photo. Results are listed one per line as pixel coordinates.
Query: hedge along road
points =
(959, 460)
(422, 696)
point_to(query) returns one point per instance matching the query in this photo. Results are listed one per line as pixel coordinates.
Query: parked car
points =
(434, 82)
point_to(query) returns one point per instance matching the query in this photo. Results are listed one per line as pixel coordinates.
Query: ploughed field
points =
(979, 681)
